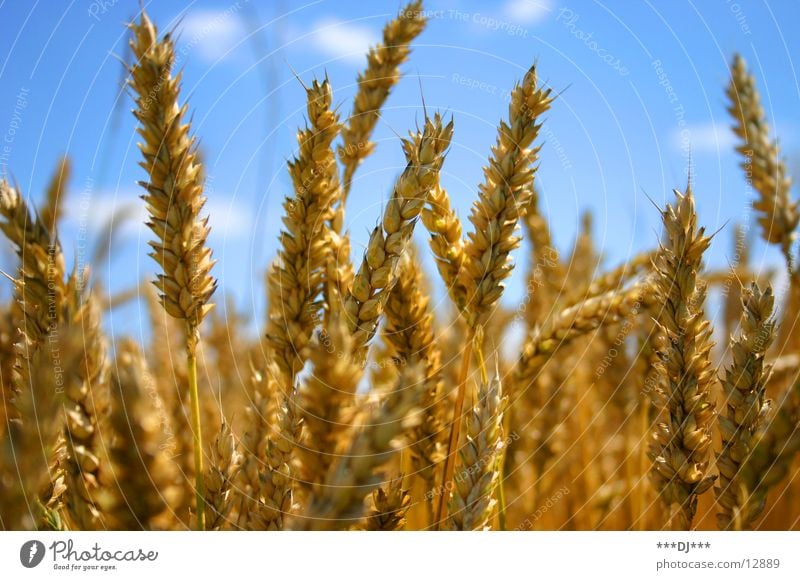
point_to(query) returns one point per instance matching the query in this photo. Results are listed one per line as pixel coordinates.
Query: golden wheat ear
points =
(296, 279)
(375, 84)
(744, 388)
(682, 437)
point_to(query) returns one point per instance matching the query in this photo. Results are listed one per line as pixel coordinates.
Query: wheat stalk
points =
(174, 198)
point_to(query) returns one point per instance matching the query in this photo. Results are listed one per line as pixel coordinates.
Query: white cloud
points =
(210, 33)
(528, 11)
(343, 40)
(704, 138)
(229, 221)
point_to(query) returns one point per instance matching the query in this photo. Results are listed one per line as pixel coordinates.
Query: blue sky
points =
(641, 85)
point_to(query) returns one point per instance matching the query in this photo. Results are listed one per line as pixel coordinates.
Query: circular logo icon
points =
(31, 553)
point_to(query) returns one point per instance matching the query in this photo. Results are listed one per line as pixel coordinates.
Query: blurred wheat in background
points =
(363, 406)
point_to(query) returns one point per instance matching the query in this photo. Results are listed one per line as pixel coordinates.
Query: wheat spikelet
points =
(425, 152)
(53, 207)
(682, 434)
(390, 505)
(145, 480)
(324, 397)
(296, 279)
(409, 328)
(744, 387)
(472, 502)
(763, 164)
(374, 86)
(339, 503)
(503, 196)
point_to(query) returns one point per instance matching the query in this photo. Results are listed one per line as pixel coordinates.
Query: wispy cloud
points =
(528, 11)
(210, 33)
(342, 40)
(229, 221)
(703, 138)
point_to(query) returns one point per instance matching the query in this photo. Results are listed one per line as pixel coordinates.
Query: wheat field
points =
(363, 404)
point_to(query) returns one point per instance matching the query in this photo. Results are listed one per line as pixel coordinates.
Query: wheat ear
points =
(682, 435)
(225, 463)
(295, 281)
(778, 214)
(174, 199)
(425, 152)
(502, 199)
(374, 86)
(744, 387)
(473, 502)
(445, 241)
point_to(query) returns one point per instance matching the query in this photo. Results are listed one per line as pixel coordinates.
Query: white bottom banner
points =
(402, 555)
